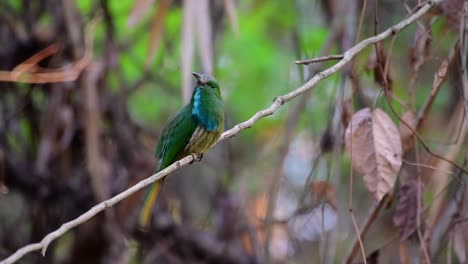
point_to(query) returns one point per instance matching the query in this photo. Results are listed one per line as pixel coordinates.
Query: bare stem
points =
(320, 59)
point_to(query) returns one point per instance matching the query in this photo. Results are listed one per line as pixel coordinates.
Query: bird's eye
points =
(212, 85)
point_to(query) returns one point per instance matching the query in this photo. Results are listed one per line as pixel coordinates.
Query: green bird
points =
(194, 129)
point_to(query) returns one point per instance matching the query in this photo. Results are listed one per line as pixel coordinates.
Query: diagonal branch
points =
(277, 103)
(30, 72)
(320, 59)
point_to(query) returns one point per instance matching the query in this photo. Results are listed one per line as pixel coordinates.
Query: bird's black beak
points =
(198, 77)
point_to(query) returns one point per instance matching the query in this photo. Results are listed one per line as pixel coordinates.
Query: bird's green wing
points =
(175, 137)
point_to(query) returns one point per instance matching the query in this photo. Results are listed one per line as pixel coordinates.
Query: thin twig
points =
(350, 205)
(370, 220)
(423, 247)
(26, 73)
(437, 195)
(277, 103)
(31, 63)
(420, 139)
(439, 78)
(428, 166)
(461, 220)
(361, 234)
(320, 59)
(290, 126)
(30, 72)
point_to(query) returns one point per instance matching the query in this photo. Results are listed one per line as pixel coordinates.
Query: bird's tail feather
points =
(150, 198)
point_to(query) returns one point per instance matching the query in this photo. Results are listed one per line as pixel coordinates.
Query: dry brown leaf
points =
(373, 143)
(441, 73)
(327, 141)
(419, 52)
(406, 212)
(373, 258)
(157, 29)
(347, 111)
(452, 10)
(377, 63)
(404, 252)
(323, 191)
(139, 9)
(439, 78)
(405, 133)
(257, 215)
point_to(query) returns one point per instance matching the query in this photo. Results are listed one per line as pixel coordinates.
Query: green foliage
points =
(258, 64)
(251, 76)
(85, 5)
(313, 40)
(173, 23)
(46, 20)
(20, 134)
(120, 11)
(133, 61)
(14, 4)
(151, 106)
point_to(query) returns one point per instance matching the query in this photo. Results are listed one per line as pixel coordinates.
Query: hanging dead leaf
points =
(373, 142)
(405, 133)
(377, 63)
(346, 112)
(327, 141)
(323, 191)
(373, 258)
(452, 9)
(441, 73)
(406, 212)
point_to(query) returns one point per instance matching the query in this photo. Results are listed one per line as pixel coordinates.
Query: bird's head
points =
(207, 82)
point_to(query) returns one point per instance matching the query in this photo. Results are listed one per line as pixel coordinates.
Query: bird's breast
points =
(201, 140)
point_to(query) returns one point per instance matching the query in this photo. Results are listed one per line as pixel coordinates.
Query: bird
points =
(192, 130)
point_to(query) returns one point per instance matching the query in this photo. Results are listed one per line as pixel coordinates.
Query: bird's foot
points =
(196, 157)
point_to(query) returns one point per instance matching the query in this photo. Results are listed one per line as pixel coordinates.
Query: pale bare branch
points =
(319, 59)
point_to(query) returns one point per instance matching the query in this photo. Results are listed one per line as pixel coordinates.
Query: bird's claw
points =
(196, 157)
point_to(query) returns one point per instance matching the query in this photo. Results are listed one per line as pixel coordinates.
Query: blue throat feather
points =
(202, 113)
